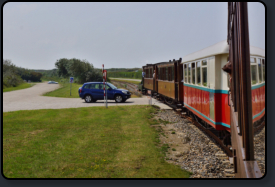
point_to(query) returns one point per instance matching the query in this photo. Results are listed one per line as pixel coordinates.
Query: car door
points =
(97, 91)
(86, 89)
(110, 93)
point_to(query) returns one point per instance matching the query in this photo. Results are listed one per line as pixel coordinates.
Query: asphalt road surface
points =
(32, 99)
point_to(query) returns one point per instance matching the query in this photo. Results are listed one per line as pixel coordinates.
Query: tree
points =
(81, 70)
(62, 66)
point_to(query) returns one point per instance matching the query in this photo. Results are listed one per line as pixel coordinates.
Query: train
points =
(197, 84)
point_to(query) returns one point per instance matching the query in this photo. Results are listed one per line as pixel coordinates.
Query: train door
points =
(153, 76)
(176, 82)
(180, 80)
(156, 78)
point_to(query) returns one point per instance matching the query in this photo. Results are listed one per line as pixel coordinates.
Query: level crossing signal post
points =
(71, 81)
(104, 72)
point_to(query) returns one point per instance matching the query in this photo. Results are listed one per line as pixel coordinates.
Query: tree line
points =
(81, 70)
(13, 75)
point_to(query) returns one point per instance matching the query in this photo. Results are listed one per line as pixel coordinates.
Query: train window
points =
(163, 73)
(169, 73)
(204, 62)
(260, 70)
(185, 72)
(198, 69)
(263, 67)
(252, 60)
(173, 74)
(204, 76)
(189, 73)
(253, 74)
(166, 73)
(193, 73)
(158, 73)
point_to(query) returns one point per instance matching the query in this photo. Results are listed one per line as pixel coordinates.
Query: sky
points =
(118, 35)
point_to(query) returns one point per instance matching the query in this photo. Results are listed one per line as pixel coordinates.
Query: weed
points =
(173, 149)
(173, 132)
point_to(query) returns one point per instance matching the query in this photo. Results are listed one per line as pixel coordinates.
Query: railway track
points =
(131, 85)
(211, 133)
(133, 88)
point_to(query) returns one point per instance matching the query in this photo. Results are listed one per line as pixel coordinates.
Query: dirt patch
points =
(176, 142)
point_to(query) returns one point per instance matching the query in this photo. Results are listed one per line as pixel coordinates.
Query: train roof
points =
(159, 63)
(219, 48)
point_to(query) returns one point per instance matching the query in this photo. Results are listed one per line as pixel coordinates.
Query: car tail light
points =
(80, 90)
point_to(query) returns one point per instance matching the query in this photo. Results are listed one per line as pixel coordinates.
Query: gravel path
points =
(204, 158)
(32, 99)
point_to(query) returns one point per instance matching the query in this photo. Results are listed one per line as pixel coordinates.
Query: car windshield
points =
(112, 86)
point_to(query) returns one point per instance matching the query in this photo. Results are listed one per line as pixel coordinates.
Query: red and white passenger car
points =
(206, 85)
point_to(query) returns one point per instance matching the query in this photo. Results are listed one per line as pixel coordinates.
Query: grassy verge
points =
(95, 142)
(64, 91)
(21, 86)
(134, 82)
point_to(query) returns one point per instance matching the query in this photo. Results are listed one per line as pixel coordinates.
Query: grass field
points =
(123, 80)
(21, 86)
(64, 91)
(95, 142)
(134, 82)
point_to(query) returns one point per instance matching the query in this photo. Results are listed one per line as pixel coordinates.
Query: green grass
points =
(64, 91)
(134, 82)
(19, 87)
(94, 142)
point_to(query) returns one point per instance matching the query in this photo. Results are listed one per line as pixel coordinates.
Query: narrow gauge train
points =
(198, 83)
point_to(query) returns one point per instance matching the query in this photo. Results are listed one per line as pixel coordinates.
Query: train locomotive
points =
(197, 84)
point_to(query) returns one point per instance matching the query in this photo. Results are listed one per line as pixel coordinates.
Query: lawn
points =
(19, 87)
(95, 142)
(64, 91)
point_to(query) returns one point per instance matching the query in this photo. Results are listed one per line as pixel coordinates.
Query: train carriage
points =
(198, 82)
(166, 82)
(148, 83)
(206, 85)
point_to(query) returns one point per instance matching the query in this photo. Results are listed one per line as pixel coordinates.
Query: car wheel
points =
(88, 98)
(118, 98)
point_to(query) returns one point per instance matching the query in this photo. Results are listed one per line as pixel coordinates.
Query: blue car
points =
(93, 91)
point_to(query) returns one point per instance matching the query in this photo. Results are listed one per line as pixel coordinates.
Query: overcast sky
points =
(118, 35)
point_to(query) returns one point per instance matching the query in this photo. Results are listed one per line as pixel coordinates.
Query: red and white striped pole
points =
(104, 80)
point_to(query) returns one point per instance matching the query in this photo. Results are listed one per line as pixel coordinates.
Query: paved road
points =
(32, 99)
